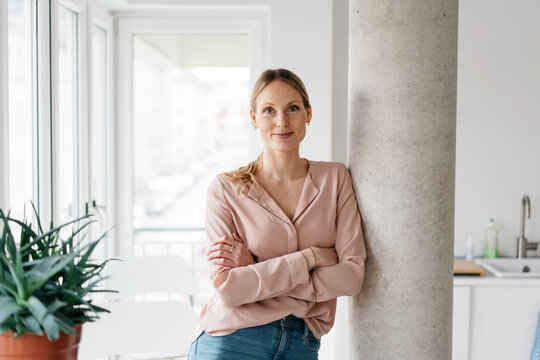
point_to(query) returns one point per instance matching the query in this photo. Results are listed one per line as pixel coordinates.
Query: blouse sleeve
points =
(346, 277)
(247, 284)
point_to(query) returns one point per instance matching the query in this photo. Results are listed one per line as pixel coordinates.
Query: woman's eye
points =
(294, 108)
(268, 111)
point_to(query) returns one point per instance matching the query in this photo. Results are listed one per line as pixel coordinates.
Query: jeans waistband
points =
(291, 322)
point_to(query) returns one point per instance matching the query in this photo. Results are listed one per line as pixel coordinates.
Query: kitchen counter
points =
(490, 280)
(494, 318)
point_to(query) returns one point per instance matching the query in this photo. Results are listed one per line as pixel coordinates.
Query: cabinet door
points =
(460, 334)
(503, 322)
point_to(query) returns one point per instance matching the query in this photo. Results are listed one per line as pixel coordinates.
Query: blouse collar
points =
(309, 193)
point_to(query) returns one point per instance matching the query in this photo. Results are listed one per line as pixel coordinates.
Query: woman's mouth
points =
(283, 135)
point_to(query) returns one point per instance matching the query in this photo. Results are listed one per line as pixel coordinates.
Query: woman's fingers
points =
(229, 252)
(222, 262)
(225, 243)
(220, 246)
(220, 254)
(226, 240)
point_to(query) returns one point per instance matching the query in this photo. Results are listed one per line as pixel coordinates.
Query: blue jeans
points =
(535, 353)
(284, 339)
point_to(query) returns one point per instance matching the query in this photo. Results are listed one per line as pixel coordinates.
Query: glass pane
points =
(98, 139)
(191, 121)
(22, 105)
(68, 117)
(99, 118)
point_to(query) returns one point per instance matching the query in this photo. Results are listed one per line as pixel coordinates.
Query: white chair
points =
(147, 275)
(156, 328)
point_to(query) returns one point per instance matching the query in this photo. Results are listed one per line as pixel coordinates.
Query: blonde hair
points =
(246, 174)
(278, 74)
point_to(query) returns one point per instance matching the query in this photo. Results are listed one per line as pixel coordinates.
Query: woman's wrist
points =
(309, 256)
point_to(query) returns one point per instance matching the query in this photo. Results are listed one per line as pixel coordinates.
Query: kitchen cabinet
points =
(494, 318)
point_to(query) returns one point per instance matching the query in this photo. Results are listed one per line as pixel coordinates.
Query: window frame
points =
(254, 22)
(97, 17)
(44, 112)
(78, 7)
(4, 110)
(40, 108)
(45, 43)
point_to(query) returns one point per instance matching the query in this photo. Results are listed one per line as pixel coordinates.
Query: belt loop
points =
(306, 329)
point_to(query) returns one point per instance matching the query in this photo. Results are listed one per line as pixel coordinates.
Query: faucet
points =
(523, 244)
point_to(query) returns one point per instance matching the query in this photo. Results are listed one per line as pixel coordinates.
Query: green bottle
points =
(491, 247)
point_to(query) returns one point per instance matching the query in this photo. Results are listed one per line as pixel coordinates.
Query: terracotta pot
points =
(35, 347)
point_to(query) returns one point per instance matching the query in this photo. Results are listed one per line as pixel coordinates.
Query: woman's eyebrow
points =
(289, 103)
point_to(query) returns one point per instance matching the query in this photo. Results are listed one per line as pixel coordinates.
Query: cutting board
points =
(466, 267)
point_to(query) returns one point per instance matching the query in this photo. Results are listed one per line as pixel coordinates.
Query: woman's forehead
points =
(278, 92)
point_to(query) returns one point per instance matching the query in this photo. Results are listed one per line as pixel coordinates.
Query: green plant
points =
(45, 280)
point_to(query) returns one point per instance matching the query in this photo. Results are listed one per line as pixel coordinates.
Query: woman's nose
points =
(281, 120)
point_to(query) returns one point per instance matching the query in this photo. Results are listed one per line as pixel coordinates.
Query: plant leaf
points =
(58, 228)
(7, 308)
(10, 242)
(90, 249)
(50, 327)
(37, 275)
(8, 287)
(37, 217)
(37, 308)
(52, 271)
(72, 295)
(55, 305)
(64, 323)
(21, 291)
(32, 324)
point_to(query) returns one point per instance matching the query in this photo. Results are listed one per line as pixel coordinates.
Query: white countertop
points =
(490, 280)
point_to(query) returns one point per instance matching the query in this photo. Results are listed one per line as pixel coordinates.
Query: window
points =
(183, 117)
(22, 164)
(99, 118)
(45, 157)
(67, 168)
(100, 151)
(190, 120)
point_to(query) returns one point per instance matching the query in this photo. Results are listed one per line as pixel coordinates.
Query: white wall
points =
(498, 120)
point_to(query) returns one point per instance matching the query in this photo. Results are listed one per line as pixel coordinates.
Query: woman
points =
(284, 239)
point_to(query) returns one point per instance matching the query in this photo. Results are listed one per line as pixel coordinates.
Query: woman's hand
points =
(230, 252)
(316, 256)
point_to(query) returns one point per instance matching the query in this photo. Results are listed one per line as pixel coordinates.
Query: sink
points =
(512, 267)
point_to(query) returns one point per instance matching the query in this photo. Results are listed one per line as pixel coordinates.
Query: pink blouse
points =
(279, 284)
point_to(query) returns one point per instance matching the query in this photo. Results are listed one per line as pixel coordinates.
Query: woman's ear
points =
(252, 116)
(308, 110)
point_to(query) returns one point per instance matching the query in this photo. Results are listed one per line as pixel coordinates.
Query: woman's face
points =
(281, 117)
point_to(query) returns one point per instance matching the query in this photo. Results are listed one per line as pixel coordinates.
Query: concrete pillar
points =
(402, 120)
